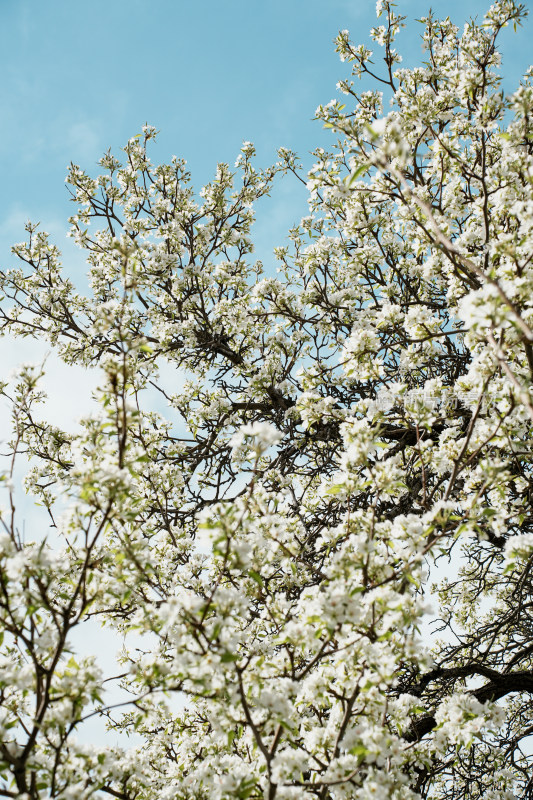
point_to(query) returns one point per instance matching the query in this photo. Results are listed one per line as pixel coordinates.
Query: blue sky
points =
(78, 78)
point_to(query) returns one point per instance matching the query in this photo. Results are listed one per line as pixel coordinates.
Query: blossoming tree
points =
(333, 433)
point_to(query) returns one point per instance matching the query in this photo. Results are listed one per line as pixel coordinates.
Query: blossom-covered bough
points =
(326, 438)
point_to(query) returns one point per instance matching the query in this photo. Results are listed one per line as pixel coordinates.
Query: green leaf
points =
(356, 174)
(229, 657)
(256, 577)
(359, 750)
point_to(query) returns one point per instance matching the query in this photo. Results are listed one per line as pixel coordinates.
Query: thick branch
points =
(499, 686)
